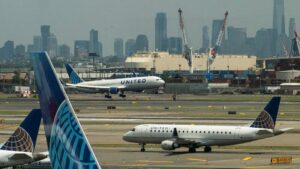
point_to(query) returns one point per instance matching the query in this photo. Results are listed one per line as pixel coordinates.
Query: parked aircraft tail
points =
(67, 143)
(73, 75)
(24, 137)
(267, 118)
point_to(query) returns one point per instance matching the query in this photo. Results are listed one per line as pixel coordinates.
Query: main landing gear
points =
(192, 149)
(143, 147)
(122, 95)
(207, 149)
(107, 96)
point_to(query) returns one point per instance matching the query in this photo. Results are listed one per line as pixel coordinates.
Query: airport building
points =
(163, 61)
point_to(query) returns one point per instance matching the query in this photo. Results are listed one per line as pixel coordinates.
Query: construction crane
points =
(187, 53)
(212, 53)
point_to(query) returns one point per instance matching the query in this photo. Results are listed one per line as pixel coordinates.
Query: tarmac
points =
(104, 128)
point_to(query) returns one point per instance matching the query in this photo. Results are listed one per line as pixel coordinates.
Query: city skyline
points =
(76, 19)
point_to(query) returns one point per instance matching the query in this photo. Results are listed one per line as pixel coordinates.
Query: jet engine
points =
(113, 90)
(169, 145)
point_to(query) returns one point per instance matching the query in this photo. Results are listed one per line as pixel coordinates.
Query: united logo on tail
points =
(267, 118)
(24, 138)
(67, 143)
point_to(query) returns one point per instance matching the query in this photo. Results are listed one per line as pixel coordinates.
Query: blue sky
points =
(73, 19)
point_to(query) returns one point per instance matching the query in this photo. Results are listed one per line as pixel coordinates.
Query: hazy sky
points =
(73, 19)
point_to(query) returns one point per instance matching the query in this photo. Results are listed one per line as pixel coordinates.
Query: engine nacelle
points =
(169, 145)
(113, 90)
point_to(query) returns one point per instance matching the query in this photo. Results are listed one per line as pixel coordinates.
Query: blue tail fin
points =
(73, 75)
(267, 118)
(24, 137)
(67, 143)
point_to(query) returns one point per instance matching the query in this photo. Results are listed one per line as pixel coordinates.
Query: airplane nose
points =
(162, 82)
(126, 136)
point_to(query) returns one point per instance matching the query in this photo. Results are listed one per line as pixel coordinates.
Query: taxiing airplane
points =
(113, 86)
(19, 148)
(193, 136)
(67, 143)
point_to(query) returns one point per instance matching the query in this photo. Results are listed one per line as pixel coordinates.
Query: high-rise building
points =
(20, 50)
(64, 51)
(205, 37)
(95, 46)
(129, 47)
(141, 43)
(280, 38)
(8, 49)
(37, 43)
(175, 45)
(236, 40)
(81, 49)
(263, 42)
(292, 28)
(45, 32)
(52, 46)
(278, 17)
(161, 39)
(216, 27)
(119, 48)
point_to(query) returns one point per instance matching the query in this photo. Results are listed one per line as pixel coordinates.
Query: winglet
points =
(67, 143)
(24, 137)
(73, 75)
(267, 118)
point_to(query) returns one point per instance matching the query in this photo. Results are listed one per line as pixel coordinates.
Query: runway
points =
(105, 127)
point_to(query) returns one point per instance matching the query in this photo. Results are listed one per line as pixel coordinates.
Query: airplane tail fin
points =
(67, 143)
(73, 75)
(267, 118)
(24, 137)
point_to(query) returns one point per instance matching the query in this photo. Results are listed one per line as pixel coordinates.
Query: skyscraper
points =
(52, 46)
(175, 45)
(161, 40)
(81, 48)
(95, 46)
(279, 36)
(278, 17)
(37, 43)
(216, 27)
(129, 47)
(292, 28)
(45, 32)
(205, 37)
(141, 43)
(119, 48)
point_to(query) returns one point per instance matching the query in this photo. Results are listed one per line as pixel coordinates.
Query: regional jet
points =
(67, 143)
(113, 86)
(171, 137)
(19, 148)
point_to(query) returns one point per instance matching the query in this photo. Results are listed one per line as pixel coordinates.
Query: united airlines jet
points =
(113, 86)
(174, 136)
(67, 143)
(19, 148)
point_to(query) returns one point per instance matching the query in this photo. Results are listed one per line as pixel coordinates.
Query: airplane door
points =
(237, 133)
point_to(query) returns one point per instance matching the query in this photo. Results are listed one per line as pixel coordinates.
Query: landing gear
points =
(192, 149)
(207, 149)
(107, 96)
(142, 147)
(122, 95)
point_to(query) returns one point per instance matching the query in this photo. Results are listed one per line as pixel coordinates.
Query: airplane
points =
(113, 86)
(19, 147)
(171, 137)
(67, 143)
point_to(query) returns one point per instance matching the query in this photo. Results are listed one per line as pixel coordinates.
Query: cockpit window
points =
(157, 79)
(133, 129)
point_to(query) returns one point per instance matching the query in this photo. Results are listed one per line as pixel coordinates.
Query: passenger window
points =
(150, 130)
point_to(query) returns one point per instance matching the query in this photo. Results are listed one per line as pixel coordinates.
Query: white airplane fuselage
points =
(203, 135)
(128, 84)
(7, 158)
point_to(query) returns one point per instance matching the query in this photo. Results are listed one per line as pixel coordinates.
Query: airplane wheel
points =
(192, 149)
(143, 150)
(207, 149)
(108, 96)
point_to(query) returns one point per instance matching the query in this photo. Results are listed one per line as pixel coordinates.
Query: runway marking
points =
(197, 159)
(247, 158)
(150, 161)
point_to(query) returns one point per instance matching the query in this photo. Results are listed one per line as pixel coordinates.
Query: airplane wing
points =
(20, 156)
(281, 131)
(185, 141)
